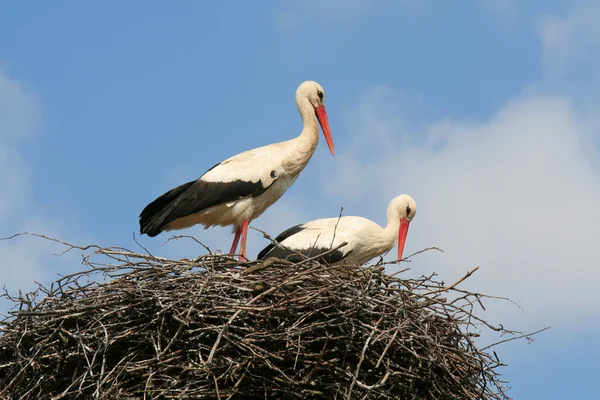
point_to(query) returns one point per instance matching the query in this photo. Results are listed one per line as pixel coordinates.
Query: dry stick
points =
(69, 245)
(336, 225)
(445, 289)
(362, 357)
(487, 296)
(217, 387)
(148, 383)
(298, 353)
(97, 392)
(139, 244)
(387, 347)
(525, 335)
(397, 272)
(407, 258)
(233, 317)
(175, 237)
(422, 251)
(237, 384)
(266, 264)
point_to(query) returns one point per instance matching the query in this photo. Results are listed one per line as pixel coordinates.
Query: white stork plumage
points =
(241, 188)
(365, 238)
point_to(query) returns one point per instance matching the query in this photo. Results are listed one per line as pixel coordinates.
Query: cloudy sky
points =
(486, 112)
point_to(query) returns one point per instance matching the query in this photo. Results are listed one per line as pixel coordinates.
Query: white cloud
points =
(19, 114)
(15, 175)
(23, 260)
(516, 194)
(19, 117)
(19, 110)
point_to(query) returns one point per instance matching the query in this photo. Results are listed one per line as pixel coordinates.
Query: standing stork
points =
(241, 188)
(365, 239)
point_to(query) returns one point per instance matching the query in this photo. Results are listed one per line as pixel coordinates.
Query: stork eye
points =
(320, 94)
(408, 210)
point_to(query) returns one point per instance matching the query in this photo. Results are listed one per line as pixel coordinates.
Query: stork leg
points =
(243, 256)
(236, 239)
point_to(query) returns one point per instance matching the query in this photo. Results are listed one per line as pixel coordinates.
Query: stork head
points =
(406, 208)
(314, 93)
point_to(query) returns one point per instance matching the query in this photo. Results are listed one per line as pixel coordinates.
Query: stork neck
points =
(310, 132)
(393, 223)
(303, 146)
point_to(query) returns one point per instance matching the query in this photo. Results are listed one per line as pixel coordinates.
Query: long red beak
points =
(402, 236)
(322, 117)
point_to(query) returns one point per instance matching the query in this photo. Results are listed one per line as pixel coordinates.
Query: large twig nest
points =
(160, 328)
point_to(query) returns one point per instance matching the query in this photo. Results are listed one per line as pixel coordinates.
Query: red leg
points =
(243, 256)
(236, 239)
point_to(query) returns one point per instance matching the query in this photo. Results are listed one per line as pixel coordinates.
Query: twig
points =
(445, 289)
(336, 226)
(525, 335)
(176, 237)
(139, 244)
(362, 357)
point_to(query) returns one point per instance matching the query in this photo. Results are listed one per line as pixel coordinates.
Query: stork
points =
(241, 188)
(365, 239)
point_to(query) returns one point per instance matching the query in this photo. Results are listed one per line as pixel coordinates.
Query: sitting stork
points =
(241, 188)
(365, 238)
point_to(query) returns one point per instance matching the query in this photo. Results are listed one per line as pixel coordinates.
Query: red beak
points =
(322, 117)
(402, 236)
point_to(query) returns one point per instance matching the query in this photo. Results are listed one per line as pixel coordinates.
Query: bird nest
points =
(133, 326)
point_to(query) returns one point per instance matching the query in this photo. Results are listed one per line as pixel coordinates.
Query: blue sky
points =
(483, 111)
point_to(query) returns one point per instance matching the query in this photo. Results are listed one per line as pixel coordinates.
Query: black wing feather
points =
(297, 255)
(280, 238)
(193, 197)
